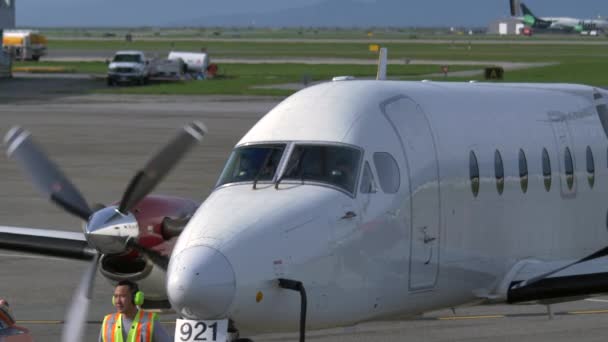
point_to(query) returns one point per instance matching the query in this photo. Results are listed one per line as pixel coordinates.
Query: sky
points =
(91, 13)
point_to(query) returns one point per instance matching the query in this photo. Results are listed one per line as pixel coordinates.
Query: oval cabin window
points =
(474, 173)
(569, 167)
(500, 172)
(523, 171)
(590, 167)
(546, 170)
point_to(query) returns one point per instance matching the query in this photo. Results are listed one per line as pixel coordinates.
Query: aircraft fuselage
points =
(388, 199)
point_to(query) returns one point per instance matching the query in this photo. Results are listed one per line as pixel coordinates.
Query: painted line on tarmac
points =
(597, 300)
(454, 318)
(58, 322)
(443, 318)
(25, 256)
(41, 322)
(519, 315)
(588, 312)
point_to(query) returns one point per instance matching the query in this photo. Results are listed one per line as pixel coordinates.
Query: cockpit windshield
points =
(335, 165)
(252, 163)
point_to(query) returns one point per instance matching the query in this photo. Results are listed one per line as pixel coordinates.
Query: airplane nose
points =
(201, 283)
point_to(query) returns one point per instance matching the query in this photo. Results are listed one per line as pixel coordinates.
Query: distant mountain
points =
(272, 13)
(348, 13)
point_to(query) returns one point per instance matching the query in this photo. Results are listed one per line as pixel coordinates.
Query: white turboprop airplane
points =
(373, 199)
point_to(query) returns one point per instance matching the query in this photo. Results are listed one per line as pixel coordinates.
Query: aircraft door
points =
(412, 126)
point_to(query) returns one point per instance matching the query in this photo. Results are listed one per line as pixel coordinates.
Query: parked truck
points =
(24, 44)
(128, 67)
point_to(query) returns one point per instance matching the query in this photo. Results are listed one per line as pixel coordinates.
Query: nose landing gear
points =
(297, 286)
(233, 332)
(287, 284)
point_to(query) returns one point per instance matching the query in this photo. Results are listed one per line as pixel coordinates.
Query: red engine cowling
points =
(160, 220)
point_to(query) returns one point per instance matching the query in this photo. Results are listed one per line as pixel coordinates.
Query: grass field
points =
(574, 63)
(458, 50)
(290, 33)
(243, 78)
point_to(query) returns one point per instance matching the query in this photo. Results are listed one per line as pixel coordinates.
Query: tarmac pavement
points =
(100, 140)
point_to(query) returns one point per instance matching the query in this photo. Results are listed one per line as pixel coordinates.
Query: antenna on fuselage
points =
(382, 62)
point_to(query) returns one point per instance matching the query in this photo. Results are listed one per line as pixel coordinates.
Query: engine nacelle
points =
(156, 217)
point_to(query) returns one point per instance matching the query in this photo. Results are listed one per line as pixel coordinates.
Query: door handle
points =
(348, 215)
(428, 239)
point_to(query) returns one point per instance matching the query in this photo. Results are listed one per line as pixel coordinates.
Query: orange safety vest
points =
(142, 328)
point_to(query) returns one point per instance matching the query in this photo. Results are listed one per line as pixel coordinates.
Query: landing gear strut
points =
(299, 287)
(287, 284)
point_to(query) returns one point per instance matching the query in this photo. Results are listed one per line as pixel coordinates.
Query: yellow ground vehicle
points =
(24, 44)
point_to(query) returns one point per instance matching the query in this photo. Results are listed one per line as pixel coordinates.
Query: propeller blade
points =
(76, 318)
(157, 168)
(47, 177)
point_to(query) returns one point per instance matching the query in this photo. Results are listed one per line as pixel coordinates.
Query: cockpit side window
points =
(252, 163)
(368, 184)
(334, 165)
(388, 172)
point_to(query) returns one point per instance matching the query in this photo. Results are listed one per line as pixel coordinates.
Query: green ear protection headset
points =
(137, 299)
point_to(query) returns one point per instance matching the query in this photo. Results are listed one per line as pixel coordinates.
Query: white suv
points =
(128, 67)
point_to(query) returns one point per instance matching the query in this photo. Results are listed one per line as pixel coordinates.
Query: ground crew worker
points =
(130, 324)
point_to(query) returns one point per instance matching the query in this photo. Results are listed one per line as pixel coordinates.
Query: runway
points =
(100, 140)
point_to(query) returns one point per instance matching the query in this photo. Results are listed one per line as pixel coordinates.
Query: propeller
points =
(108, 229)
(75, 320)
(157, 168)
(47, 177)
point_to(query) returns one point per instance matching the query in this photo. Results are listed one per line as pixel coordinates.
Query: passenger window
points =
(368, 185)
(569, 167)
(388, 172)
(474, 173)
(546, 169)
(523, 171)
(590, 167)
(499, 172)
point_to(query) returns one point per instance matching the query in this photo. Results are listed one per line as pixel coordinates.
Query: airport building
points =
(7, 21)
(506, 26)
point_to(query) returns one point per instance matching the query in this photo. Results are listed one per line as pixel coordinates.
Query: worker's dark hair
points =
(132, 286)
